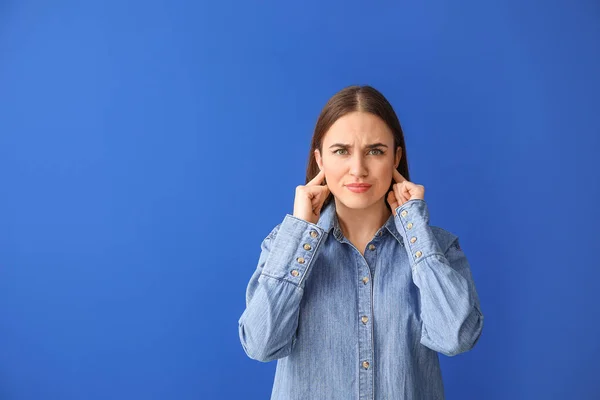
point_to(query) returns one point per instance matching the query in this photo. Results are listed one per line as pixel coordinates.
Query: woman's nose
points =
(358, 166)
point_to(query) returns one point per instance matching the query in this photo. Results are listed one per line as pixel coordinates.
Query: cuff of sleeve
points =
(293, 250)
(412, 221)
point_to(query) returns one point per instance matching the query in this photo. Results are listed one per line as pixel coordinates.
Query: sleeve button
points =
(404, 213)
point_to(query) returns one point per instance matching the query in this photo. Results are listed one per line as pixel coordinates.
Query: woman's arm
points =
(450, 310)
(268, 325)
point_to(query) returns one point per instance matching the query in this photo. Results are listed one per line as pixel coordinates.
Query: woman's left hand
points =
(403, 191)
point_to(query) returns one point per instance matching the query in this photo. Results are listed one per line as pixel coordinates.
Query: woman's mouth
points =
(358, 188)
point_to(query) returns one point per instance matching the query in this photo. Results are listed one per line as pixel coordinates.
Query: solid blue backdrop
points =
(147, 148)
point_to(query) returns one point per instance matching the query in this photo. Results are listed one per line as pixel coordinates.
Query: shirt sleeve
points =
(451, 315)
(268, 325)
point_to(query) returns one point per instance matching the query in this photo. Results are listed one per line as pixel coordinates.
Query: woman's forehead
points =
(359, 127)
(357, 136)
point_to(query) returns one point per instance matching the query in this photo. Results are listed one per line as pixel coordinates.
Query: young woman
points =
(355, 294)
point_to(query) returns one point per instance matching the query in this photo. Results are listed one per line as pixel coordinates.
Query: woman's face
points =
(358, 148)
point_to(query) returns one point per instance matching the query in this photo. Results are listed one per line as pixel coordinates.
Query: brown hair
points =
(356, 98)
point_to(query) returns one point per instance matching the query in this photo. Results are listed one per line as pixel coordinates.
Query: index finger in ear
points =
(318, 179)
(398, 176)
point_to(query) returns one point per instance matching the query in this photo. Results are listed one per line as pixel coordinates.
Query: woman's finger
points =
(318, 179)
(406, 192)
(392, 201)
(398, 176)
(399, 192)
(319, 195)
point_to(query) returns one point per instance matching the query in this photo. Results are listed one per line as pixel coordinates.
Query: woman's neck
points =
(362, 224)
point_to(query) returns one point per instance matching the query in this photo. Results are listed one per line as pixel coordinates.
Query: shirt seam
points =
(420, 260)
(266, 274)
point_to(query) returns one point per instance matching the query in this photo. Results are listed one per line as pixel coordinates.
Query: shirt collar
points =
(329, 221)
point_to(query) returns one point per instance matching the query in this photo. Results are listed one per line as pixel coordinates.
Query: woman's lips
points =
(358, 188)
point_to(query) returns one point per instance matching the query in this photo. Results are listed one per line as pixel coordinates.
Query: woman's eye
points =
(379, 151)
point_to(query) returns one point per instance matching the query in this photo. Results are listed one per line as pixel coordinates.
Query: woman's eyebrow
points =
(369, 146)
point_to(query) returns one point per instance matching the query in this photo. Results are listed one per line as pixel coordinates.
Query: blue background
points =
(147, 148)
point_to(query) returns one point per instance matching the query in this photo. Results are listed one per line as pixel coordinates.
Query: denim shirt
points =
(346, 326)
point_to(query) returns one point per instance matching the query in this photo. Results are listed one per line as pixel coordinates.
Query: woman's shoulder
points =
(292, 223)
(273, 232)
(444, 237)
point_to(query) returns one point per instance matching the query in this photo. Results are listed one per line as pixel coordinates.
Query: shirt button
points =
(371, 247)
(364, 319)
(314, 234)
(307, 246)
(379, 233)
(365, 280)
(295, 272)
(413, 239)
(404, 213)
(409, 226)
(418, 254)
(365, 364)
(300, 260)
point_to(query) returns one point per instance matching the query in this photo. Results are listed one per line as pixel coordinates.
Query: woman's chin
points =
(356, 202)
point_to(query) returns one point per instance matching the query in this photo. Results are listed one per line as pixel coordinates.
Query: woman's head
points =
(352, 120)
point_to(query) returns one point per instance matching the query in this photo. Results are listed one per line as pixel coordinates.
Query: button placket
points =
(364, 313)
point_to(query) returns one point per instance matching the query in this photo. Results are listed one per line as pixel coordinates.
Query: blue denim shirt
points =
(346, 326)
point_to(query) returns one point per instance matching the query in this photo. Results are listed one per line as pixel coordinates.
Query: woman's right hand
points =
(310, 198)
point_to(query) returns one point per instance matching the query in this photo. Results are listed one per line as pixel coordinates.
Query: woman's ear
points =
(318, 159)
(398, 156)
